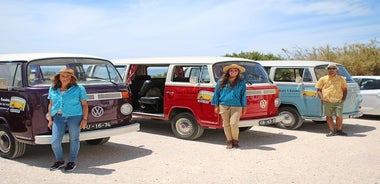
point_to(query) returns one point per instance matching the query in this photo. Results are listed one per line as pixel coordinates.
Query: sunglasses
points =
(331, 68)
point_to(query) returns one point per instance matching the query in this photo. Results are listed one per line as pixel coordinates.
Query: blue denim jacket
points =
(68, 102)
(236, 96)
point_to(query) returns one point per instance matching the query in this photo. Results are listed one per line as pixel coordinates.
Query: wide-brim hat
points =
(67, 71)
(228, 67)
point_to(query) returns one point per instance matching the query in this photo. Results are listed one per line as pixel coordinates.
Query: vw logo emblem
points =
(263, 104)
(97, 111)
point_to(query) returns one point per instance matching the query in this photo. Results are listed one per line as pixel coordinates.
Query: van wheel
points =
(293, 118)
(185, 126)
(9, 146)
(98, 141)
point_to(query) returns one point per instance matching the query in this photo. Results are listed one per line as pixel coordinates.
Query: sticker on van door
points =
(17, 104)
(205, 96)
(14, 104)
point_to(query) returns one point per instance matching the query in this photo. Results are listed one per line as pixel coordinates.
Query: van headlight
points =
(277, 102)
(126, 109)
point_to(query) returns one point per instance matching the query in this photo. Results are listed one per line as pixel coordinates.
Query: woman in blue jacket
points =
(230, 101)
(67, 108)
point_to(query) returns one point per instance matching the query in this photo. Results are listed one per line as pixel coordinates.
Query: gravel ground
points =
(267, 155)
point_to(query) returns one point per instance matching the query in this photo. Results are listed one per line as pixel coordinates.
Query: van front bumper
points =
(94, 134)
(262, 121)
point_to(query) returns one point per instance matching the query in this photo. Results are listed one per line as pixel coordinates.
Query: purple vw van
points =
(24, 86)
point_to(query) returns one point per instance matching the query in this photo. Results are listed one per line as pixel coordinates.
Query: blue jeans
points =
(58, 131)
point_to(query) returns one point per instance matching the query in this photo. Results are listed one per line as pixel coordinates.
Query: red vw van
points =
(180, 90)
(24, 87)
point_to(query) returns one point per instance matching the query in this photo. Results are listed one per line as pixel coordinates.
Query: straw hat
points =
(67, 71)
(228, 67)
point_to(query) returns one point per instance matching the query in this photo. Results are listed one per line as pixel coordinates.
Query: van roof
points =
(34, 56)
(169, 60)
(292, 63)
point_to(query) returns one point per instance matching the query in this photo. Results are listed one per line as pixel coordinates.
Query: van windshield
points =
(254, 72)
(88, 71)
(321, 71)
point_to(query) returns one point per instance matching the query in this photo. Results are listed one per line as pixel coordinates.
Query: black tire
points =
(9, 146)
(98, 141)
(242, 129)
(185, 126)
(293, 118)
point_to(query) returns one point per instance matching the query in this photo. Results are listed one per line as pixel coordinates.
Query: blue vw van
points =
(299, 100)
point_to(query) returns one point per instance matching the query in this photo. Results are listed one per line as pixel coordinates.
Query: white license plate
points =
(100, 125)
(267, 122)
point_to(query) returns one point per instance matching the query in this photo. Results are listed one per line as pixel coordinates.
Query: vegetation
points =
(359, 59)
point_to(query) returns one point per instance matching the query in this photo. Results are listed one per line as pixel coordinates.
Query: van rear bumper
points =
(262, 121)
(94, 134)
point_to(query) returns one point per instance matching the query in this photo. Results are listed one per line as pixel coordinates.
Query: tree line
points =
(358, 58)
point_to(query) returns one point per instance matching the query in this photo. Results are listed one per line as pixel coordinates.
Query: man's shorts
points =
(331, 109)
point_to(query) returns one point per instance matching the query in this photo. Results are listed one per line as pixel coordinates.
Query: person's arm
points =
(215, 99)
(344, 94)
(48, 116)
(83, 123)
(320, 95)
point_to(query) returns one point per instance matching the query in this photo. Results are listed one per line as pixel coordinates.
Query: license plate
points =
(100, 125)
(266, 122)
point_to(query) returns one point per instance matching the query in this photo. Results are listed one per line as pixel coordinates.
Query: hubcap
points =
(184, 127)
(5, 142)
(289, 119)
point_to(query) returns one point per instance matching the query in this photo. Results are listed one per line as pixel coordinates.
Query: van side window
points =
(197, 73)
(9, 76)
(307, 76)
(289, 75)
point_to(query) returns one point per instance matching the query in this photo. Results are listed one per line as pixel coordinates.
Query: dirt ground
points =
(267, 155)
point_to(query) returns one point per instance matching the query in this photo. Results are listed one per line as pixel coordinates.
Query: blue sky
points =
(150, 28)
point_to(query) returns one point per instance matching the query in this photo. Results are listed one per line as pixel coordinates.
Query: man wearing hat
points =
(332, 90)
(67, 109)
(230, 102)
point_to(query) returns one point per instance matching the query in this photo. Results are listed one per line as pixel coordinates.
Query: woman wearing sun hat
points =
(230, 102)
(67, 108)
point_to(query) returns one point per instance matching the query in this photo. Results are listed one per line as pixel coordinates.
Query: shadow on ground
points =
(353, 130)
(91, 158)
(249, 139)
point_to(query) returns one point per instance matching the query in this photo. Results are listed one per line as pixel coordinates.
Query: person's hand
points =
(244, 110)
(216, 110)
(83, 123)
(50, 124)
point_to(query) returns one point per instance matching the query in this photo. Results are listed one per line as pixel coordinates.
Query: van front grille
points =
(104, 96)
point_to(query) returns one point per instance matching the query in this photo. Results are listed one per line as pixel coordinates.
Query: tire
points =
(9, 146)
(98, 141)
(293, 118)
(242, 129)
(185, 126)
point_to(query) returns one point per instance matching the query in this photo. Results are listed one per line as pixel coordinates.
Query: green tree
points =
(358, 58)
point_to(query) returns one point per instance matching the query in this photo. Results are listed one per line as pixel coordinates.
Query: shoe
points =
(235, 144)
(331, 133)
(70, 166)
(57, 165)
(229, 145)
(341, 133)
